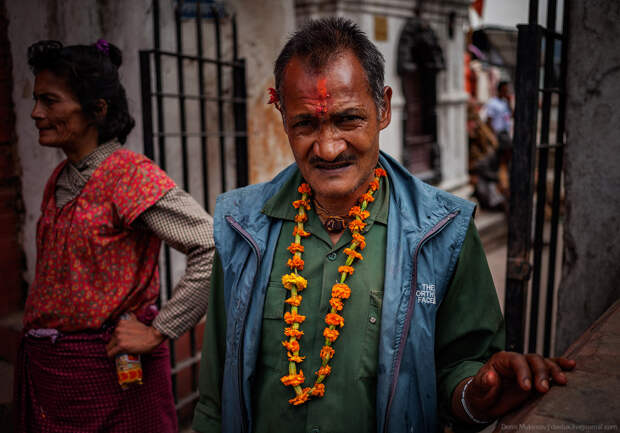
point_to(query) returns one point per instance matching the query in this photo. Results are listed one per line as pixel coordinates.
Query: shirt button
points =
(315, 430)
(331, 257)
(372, 319)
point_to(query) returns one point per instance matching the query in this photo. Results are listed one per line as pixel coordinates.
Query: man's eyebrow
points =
(304, 116)
(349, 112)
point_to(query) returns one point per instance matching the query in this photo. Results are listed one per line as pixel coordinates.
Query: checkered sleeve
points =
(182, 223)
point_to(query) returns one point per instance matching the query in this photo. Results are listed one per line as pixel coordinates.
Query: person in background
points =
(104, 213)
(499, 119)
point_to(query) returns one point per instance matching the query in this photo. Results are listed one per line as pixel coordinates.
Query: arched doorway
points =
(420, 58)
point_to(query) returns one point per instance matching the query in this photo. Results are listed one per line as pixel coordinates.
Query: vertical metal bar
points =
(239, 107)
(203, 109)
(220, 105)
(533, 12)
(147, 104)
(162, 161)
(541, 187)
(521, 183)
(557, 183)
(181, 87)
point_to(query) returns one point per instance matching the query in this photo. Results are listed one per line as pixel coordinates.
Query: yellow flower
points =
(290, 280)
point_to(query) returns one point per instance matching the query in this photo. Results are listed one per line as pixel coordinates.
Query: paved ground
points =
(589, 402)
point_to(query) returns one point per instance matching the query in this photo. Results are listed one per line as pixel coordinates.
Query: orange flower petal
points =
(341, 290)
(380, 172)
(292, 346)
(356, 225)
(301, 398)
(292, 332)
(334, 319)
(295, 247)
(300, 232)
(336, 304)
(324, 371)
(301, 218)
(347, 269)
(291, 318)
(327, 352)
(304, 188)
(295, 358)
(353, 253)
(360, 240)
(330, 334)
(318, 390)
(296, 263)
(294, 300)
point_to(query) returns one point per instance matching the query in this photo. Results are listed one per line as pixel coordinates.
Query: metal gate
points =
(194, 126)
(532, 248)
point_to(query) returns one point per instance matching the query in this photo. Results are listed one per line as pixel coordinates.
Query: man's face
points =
(333, 125)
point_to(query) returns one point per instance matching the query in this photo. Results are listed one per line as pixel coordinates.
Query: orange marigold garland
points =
(340, 291)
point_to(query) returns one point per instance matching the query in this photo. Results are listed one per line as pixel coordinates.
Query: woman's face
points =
(58, 115)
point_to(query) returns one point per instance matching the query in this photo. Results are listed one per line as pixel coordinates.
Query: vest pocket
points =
(370, 349)
(272, 353)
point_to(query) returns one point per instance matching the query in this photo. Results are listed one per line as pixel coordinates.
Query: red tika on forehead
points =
(321, 87)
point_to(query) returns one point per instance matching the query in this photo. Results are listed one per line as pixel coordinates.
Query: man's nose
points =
(329, 143)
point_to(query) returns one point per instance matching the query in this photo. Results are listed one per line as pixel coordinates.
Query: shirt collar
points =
(96, 157)
(280, 205)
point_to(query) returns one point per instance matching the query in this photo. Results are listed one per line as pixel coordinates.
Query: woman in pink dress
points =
(104, 213)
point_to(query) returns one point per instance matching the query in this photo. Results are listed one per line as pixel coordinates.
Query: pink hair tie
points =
(103, 46)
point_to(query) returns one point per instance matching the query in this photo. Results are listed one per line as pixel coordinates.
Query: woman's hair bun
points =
(116, 56)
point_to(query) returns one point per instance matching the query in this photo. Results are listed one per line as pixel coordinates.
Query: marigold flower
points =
(301, 203)
(304, 188)
(366, 197)
(341, 290)
(352, 253)
(301, 398)
(295, 358)
(290, 280)
(296, 263)
(318, 390)
(292, 332)
(374, 184)
(295, 301)
(291, 318)
(357, 211)
(330, 334)
(300, 232)
(336, 304)
(356, 225)
(273, 96)
(334, 319)
(324, 371)
(295, 247)
(327, 352)
(292, 346)
(347, 269)
(360, 240)
(301, 218)
(293, 379)
(380, 172)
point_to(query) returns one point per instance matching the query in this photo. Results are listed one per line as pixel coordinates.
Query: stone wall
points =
(591, 279)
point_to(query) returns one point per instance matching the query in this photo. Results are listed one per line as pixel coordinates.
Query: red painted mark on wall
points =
(321, 87)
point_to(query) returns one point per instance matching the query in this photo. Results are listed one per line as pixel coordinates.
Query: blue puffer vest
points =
(426, 229)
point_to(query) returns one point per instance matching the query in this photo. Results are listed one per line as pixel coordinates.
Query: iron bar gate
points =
(528, 183)
(193, 109)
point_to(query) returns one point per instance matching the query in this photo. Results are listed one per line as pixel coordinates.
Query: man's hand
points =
(132, 336)
(505, 382)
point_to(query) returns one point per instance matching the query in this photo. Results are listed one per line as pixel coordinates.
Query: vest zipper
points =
(245, 235)
(437, 228)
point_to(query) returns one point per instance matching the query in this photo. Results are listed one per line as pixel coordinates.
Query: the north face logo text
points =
(426, 295)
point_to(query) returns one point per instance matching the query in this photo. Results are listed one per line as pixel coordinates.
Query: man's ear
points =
(281, 110)
(386, 111)
(102, 110)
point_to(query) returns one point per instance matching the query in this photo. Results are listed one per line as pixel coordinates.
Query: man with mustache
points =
(349, 296)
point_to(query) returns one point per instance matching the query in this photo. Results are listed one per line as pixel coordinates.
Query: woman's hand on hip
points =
(133, 336)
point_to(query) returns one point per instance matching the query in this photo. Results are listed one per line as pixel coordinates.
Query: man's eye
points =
(302, 124)
(349, 120)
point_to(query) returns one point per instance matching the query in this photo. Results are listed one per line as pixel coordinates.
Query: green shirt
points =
(469, 328)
